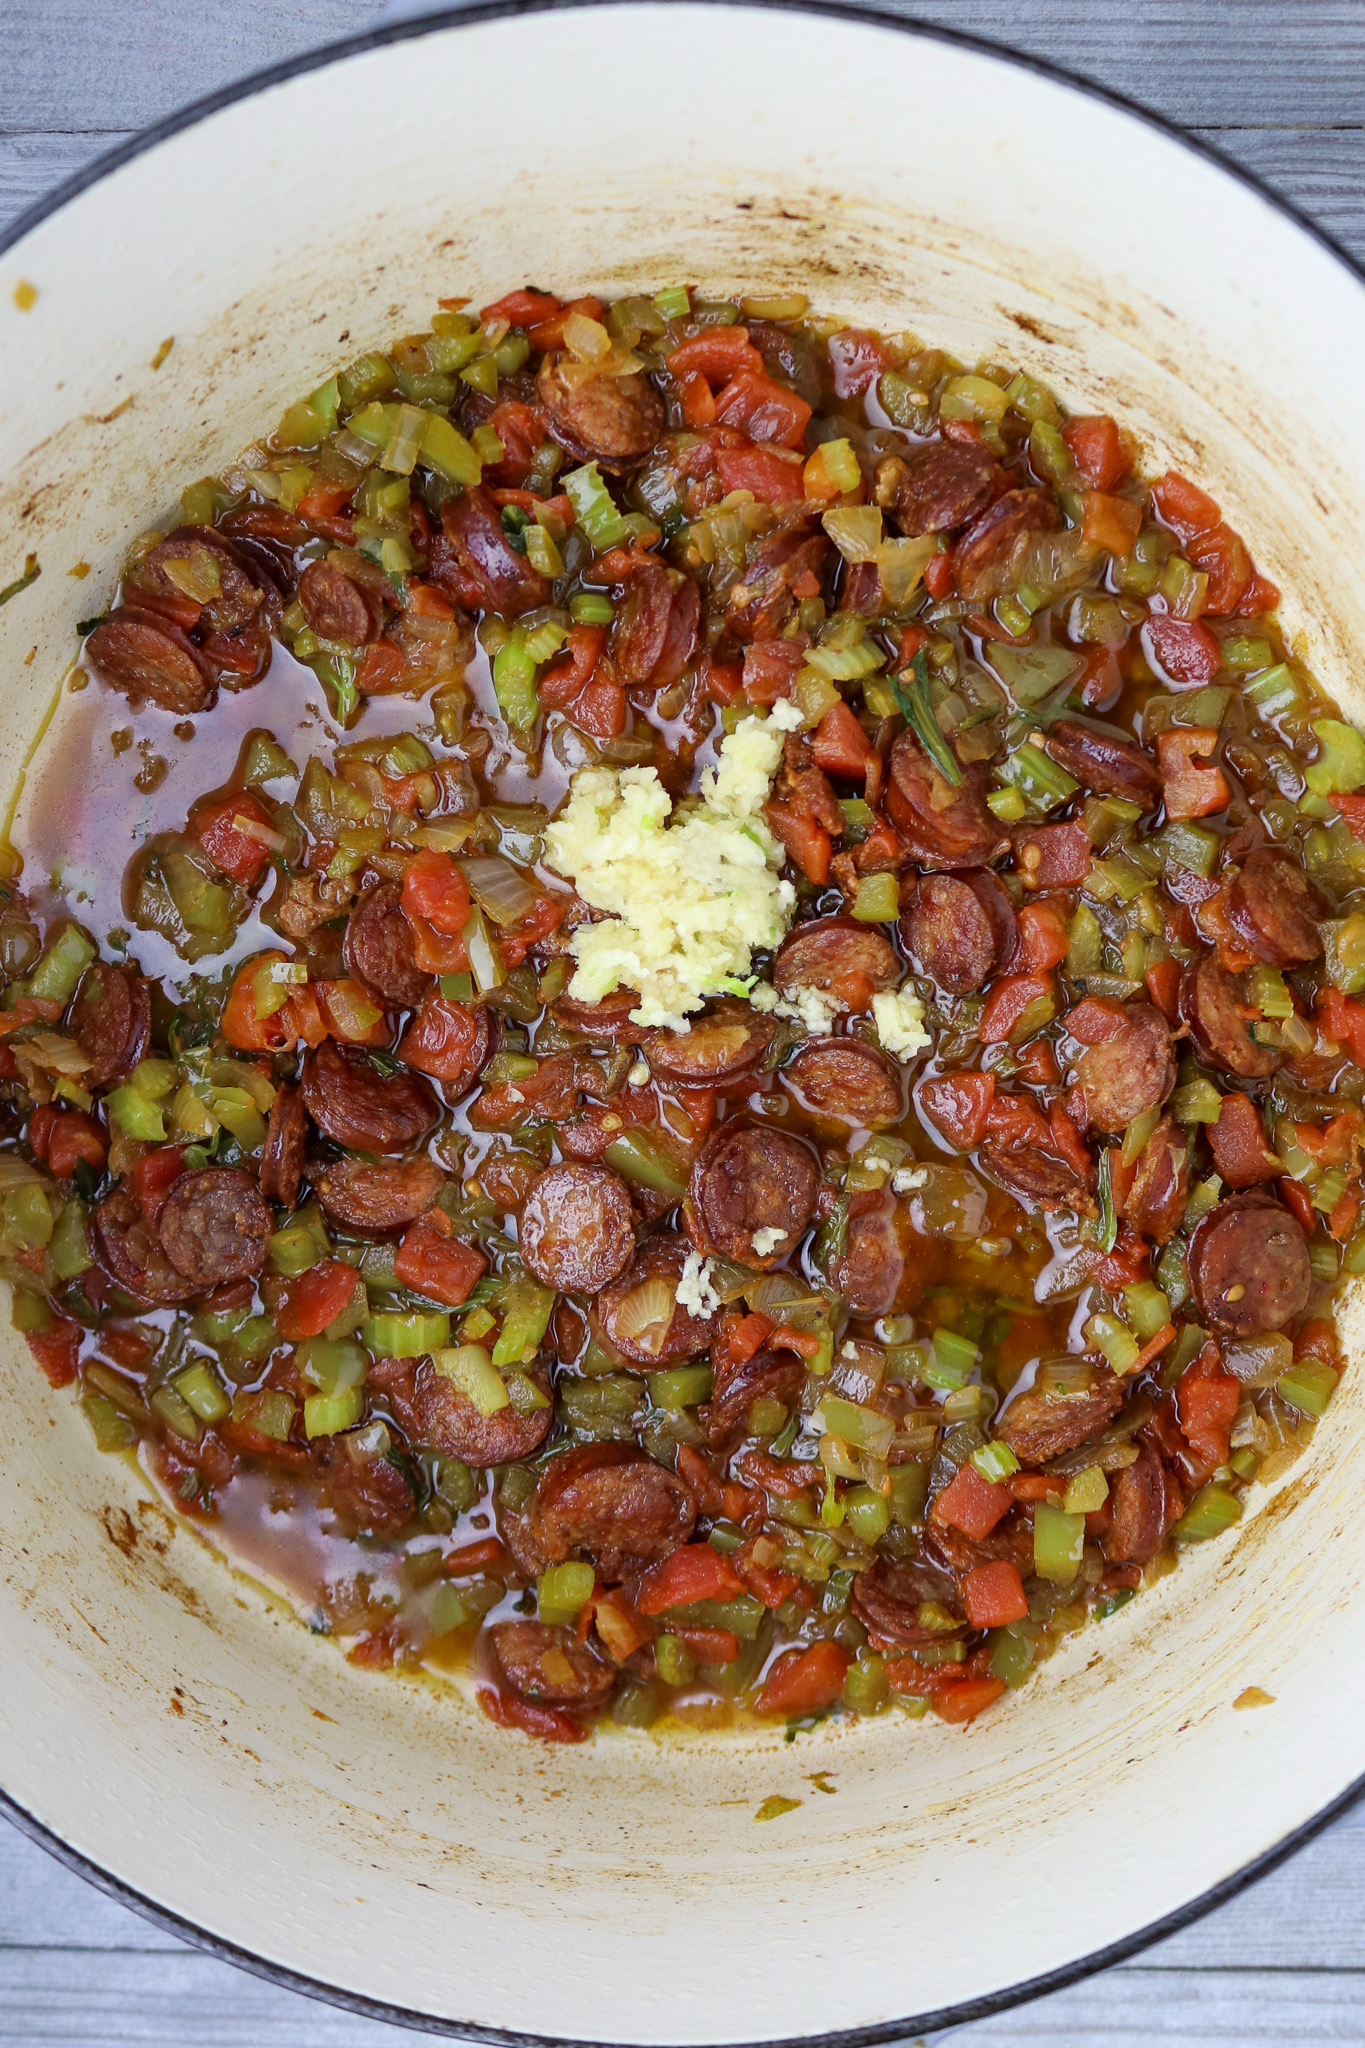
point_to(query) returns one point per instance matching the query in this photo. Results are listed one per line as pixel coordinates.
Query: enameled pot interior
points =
(166, 1719)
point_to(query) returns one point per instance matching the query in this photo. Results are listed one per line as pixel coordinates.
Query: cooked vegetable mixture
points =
(735, 1087)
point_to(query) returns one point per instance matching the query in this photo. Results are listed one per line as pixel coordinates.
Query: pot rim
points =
(966, 2010)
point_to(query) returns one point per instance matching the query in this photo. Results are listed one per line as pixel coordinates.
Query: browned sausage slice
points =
(577, 1228)
(946, 826)
(748, 1180)
(614, 1505)
(1038, 1426)
(1123, 1076)
(214, 1226)
(840, 957)
(611, 420)
(938, 485)
(1249, 1267)
(887, 1599)
(1156, 1200)
(608, 1020)
(1221, 1018)
(763, 602)
(433, 1411)
(379, 947)
(1274, 908)
(358, 1107)
(1035, 1176)
(336, 608)
(473, 560)
(658, 1257)
(725, 1045)
(869, 1272)
(132, 1256)
(378, 1196)
(151, 661)
(549, 1665)
(1010, 1541)
(768, 1375)
(986, 555)
(112, 1020)
(848, 1080)
(961, 929)
(286, 1139)
(1104, 761)
(366, 1492)
(1146, 1501)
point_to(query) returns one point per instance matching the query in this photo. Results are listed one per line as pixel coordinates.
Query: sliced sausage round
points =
(1035, 1176)
(474, 561)
(760, 605)
(132, 1256)
(662, 1256)
(769, 1376)
(385, 1195)
(1274, 909)
(838, 956)
(612, 1504)
(984, 558)
(608, 1020)
(1146, 1500)
(366, 1491)
(961, 929)
(1010, 1542)
(612, 420)
(654, 633)
(577, 1228)
(1221, 1019)
(936, 486)
(869, 1271)
(214, 1226)
(1249, 1267)
(749, 1181)
(112, 1020)
(379, 947)
(725, 1045)
(1041, 1425)
(1123, 1076)
(945, 825)
(549, 1665)
(286, 1141)
(788, 357)
(887, 1599)
(453, 1042)
(848, 1080)
(358, 1107)
(336, 608)
(1156, 1200)
(1104, 761)
(449, 1422)
(151, 661)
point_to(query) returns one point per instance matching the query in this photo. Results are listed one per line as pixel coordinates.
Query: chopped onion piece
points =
(856, 531)
(645, 1314)
(498, 887)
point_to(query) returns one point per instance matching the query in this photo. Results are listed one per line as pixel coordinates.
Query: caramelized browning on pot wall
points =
(738, 1091)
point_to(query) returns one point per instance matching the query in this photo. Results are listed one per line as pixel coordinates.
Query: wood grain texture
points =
(1281, 89)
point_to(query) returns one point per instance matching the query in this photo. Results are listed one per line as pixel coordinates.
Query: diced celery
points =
(201, 1391)
(526, 1311)
(27, 1218)
(846, 664)
(1203, 1197)
(1058, 1541)
(641, 1156)
(1196, 1102)
(60, 966)
(333, 1365)
(1011, 1656)
(673, 302)
(1037, 777)
(445, 449)
(1183, 844)
(1343, 941)
(1146, 1309)
(28, 1310)
(995, 1461)
(1008, 805)
(112, 1432)
(69, 1249)
(514, 681)
(1341, 758)
(680, 1386)
(675, 1662)
(1086, 1493)
(170, 1407)
(909, 1489)
(1274, 693)
(301, 1243)
(973, 398)
(1212, 1510)
(405, 1336)
(866, 1686)
(326, 1415)
(868, 1513)
(878, 899)
(471, 1370)
(863, 1428)
(270, 1412)
(1245, 653)
(1308, 1386)
(593, 508)
(562, 1591)
(952, 1361)
(1113, 1339)
(591, 608)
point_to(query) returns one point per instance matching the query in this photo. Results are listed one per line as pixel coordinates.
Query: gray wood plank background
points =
(1280, 86)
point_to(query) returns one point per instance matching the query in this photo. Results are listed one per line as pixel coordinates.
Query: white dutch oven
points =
(163, 1724)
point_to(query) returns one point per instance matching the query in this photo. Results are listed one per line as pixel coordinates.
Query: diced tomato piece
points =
(1183, 506)
(762, 409)
(1068, 1143)
(486, 1554)
(994, 1596)
(696, 1572)
(1222, 555)
(1299, 1203)
(435, 888)
(1095, 446)
(1185, 649)
(238, 853)
(770, 668)
(550, 333)
(1035, 1486)
(1043, 936)
(840, 746)
(324, 501)
(510, 1710)
(1015, 1121)
(432, 1262)
(153, 1177)
(525, 308)
(1163, 986)
(1206, 1404)
(1190, 792)
(622, 1630)
(57, 1349)
(1259, 597)
(1343, 1019)
(304, 1022)
(75, 1136)
(804, 1681)
(718, 354)
(1096, 1019)
(1108, 522)
(425, 602)
(710, 1645)
(957, 1105)
(723, 681)
(740, 1337)
(593, 701)
(538, 923)
(971, 1502)
(40, 1126)
(441, 1038)
(316, 1299)
(856, 360)
(698, 405)
(1052, 856)
(939, 575)
(807, 842)
(241, 1026)
(1010, 996)
(962, 1702)
(1036, 1062)
(1319, 1338)
(381, 669)
(764, 471)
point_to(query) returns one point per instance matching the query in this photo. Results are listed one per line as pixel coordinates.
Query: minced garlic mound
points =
(688, 900)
